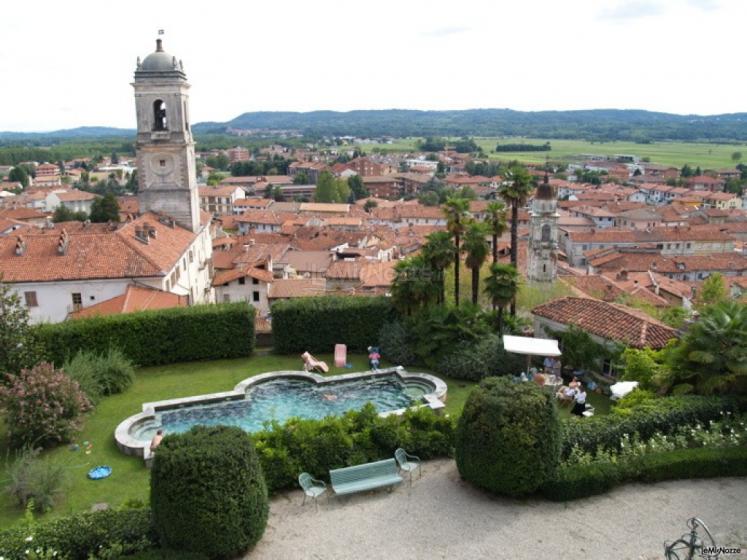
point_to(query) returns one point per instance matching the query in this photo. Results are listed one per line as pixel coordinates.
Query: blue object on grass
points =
(97, 473)
(349, 366)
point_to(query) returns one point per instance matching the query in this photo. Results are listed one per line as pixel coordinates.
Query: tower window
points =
(162, 163)
(159, 115)
(546, 232)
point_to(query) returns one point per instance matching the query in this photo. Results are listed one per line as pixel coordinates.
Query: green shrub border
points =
(580, 481)
(316, 324)
(164, 336)
(77, 536)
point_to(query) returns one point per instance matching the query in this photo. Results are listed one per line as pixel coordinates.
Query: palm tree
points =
(439, 252)
(456, 212)
(477, 251)
(413, 286)
(496, 220)
(501, 287)
(515, 191)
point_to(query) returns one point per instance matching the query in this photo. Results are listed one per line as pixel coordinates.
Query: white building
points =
(74, 200)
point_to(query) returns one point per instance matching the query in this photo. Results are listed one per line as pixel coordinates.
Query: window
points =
(255, 281)
(255, 296)
(226, 298)
(159, 117)
(184, 263)
(168, 286)
(77, 299)
(546, 233)
(30, 298)
(242, 280)
(191, 257)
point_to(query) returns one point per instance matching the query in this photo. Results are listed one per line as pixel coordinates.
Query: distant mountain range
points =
(597, 124)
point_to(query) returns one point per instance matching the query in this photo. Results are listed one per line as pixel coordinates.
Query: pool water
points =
(282, 399)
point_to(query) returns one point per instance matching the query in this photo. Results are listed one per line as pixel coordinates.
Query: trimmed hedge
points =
(77, 537)
(164, 336)
(316, 446)
(508, 438)
(657, 415)
(316, 324)
(207, 492)
(580, 481)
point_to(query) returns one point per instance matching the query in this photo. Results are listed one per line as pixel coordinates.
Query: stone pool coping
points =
(137, 448)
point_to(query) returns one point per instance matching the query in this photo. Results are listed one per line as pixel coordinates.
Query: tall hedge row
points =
(181, 334)
(316, 324)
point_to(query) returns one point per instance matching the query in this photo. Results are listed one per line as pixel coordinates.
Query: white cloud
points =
(74, 66)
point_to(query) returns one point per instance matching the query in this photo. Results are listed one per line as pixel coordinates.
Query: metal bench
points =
(364, 477)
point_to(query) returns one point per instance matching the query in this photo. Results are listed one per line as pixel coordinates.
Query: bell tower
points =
(543, 235)
(165, 149)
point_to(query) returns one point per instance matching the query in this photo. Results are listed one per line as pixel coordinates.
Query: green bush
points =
(657, 415)
(81, 536)
(42, 406)
(508, 437)
(105, 374)
(485, 358)
(316, 446)
(208, 494)
(579, 481)
(164, 336)
(316, 324)
(33, 481)
(395, 344)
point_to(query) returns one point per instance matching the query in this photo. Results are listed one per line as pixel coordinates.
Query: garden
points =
(70, 384)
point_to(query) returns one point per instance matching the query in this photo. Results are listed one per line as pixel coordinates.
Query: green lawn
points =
(706, 155)
(129, 477)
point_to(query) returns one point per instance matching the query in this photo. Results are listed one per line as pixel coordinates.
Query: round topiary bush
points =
(207, 492)
(508, 437)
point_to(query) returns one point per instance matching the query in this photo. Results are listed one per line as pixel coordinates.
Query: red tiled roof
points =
(297, 287)
(136, 298)
(610, 321)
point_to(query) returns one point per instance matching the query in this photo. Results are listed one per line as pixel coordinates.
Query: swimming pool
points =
(278, 396)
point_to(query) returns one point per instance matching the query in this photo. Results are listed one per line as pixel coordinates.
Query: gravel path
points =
(443, 517)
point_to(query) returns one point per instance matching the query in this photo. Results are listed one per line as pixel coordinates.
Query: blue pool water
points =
(282, 399)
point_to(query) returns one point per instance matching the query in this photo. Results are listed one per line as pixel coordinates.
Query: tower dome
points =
(159, 62)
(545, 190)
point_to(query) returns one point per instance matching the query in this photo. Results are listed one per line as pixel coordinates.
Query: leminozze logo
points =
(713, 552)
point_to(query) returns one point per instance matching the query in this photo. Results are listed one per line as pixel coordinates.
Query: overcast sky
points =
(69, 64)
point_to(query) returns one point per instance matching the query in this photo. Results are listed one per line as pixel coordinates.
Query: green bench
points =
(365, 477)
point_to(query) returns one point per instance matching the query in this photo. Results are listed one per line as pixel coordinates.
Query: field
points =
(707, 156)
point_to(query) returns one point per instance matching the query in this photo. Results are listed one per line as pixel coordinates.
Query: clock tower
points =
(165, 149)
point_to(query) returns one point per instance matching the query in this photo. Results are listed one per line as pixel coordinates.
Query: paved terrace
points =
(443, 517)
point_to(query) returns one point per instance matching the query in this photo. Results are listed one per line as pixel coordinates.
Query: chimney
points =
(622, 275)
(159, 45)
(149, 230)
(20, 246)
(62, 242)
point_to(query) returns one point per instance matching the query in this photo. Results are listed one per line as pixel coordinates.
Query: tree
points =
(357, 188)
(439, 251)
(132, 184)
(495, 218)
(456, 214)
(712, 355)
(326, 190)
(428, 198)
(501, 287)
(18, 174)
(342, 191)
(476, 249)
(114, 158)
(413, 285)
(219, 161)
(736, 156)
(713, 290)
(686, 171)
(301, 178)
(19, 347)
(370, 205)
(515, 192)
(63, 214)
(467, 192)
(105, 209)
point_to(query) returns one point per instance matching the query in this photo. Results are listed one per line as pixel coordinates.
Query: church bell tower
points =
(543, 235)
(165, 149)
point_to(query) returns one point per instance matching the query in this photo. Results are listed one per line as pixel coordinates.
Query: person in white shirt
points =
(579, 401)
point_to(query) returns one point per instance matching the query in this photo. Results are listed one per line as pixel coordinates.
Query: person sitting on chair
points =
(565, 394)
(579, 404)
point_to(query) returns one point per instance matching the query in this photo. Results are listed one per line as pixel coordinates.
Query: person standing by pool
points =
(156, 441)
(373, 358)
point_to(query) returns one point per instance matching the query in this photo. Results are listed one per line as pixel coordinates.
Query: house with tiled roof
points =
(221, 199)
(607, 323)
(135, 298)
(57, 271)
(73, 199)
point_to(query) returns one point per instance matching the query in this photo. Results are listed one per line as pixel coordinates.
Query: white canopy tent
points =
(531, 346)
